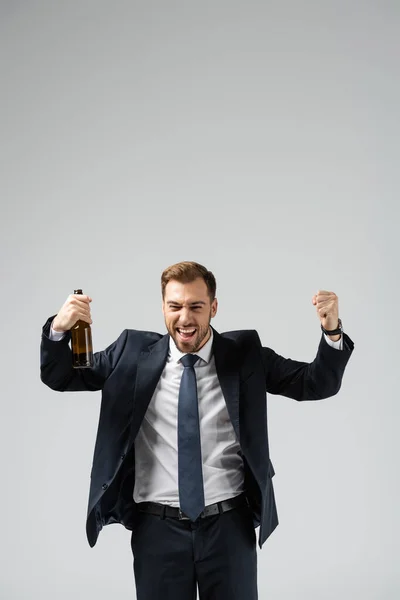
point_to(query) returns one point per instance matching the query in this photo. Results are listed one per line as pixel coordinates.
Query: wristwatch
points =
(337, 331)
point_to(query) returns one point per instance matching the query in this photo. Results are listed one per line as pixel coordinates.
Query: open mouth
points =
(186, 333)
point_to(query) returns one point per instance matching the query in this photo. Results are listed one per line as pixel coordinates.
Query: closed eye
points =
(176, 307)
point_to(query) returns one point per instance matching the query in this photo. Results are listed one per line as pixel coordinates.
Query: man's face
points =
(187, 312)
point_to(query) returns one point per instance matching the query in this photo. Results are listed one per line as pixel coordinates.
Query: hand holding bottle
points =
(75, 308)
(75, 316)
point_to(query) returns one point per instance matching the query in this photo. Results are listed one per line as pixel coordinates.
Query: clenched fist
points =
(75, 308)
(327, 304)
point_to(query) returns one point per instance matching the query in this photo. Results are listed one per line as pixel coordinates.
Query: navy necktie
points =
(190, 472)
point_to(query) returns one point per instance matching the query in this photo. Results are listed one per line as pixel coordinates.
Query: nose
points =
(184, 318)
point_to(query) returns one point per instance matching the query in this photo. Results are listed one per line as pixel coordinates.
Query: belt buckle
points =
(182, 516)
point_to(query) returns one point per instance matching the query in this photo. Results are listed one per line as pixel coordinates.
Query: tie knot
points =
(189, 360)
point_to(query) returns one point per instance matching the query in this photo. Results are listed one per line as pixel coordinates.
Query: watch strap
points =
(336, 331)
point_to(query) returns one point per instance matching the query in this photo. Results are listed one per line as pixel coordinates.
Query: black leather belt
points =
(162, 510)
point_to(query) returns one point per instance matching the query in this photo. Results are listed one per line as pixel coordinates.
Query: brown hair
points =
(186, 272)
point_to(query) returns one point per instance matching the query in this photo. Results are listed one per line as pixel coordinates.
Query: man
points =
(181, 455)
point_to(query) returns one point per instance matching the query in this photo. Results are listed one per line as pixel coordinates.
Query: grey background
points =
(260, 139)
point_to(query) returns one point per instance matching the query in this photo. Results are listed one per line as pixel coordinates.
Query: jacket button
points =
(104, 486)
(123, 456)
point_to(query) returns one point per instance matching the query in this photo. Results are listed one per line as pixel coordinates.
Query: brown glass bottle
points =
(81, 342)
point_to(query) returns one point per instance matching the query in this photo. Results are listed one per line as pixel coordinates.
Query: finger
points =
(326, 296)
(78, 303)
(77, 309)
(81, 297)
(87, 320)
(83, 317)
(326, 304)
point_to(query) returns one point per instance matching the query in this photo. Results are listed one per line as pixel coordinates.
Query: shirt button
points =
(104, 486)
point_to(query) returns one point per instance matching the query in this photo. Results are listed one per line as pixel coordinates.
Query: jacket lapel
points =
(150, 367)
(226, 359)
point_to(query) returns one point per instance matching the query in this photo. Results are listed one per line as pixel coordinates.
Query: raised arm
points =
(323, 376)
(319, 379)
(56, 369)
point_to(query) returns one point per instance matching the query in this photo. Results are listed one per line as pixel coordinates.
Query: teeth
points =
(186, 330)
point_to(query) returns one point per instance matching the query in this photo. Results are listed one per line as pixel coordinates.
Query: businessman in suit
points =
(181, 456)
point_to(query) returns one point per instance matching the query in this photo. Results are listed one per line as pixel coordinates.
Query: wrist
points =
(56, 328)
(334, 334)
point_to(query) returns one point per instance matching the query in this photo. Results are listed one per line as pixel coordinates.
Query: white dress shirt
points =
(156, 445)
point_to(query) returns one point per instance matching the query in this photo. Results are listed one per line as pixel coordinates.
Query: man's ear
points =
(214, 307)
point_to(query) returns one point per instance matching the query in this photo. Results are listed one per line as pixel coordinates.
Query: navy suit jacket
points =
(128, 371)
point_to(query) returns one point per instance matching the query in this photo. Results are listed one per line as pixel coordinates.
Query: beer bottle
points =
(81, 342)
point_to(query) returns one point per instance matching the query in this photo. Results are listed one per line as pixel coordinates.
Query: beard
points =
(193, 344)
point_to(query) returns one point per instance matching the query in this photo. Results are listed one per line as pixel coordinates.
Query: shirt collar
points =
(204, 353)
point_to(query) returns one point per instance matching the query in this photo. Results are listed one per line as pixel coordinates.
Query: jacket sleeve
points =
(319, 379)
(56, 369)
